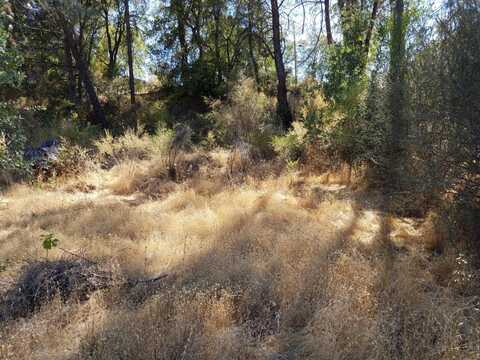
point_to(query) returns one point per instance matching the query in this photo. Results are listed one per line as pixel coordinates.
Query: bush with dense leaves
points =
(291, 146)
(12, 144)
(245, 117)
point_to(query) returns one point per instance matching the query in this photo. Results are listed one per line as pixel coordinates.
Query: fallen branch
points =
(148, 281)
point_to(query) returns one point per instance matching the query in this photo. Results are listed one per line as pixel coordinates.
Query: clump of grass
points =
(132, 146)
(126, 178)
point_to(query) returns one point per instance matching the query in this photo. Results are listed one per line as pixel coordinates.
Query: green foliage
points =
(352, 131)
(246, 116)
(346, 70)
(66, 126)
(202, 46)
(49, 242)
(209, 142)
(72, 159)
(10, 58)
(12, 144)
(77, 133)
(153, 116)
(291, 147)
(315, 113)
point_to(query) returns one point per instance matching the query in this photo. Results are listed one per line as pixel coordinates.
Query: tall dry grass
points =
(132, 146)
(255, 272)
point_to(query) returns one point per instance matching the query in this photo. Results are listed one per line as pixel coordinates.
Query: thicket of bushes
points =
(12, 144)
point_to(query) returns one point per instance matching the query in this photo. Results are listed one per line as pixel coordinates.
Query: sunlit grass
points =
(262, 268)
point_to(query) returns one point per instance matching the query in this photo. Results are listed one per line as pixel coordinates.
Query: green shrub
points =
(12, 144)
(210, 141)
(315, 113)
(72, 159)
(291, 147)
(83, 135)
(351, 131)
(247, 117)
(153, 116)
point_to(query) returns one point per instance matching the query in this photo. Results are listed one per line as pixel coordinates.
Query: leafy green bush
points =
(153, 116)
(247, 117)
(291, 147)
(12, 144)
(315, 113)
(75, 133)
(72, 159)
(351, 131)
(10, 58)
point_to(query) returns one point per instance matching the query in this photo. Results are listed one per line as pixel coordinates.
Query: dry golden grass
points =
(273, 267)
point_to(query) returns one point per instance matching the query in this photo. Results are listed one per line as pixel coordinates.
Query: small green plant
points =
(49, 241)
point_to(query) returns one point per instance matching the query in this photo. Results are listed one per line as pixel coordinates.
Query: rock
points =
(47, 151)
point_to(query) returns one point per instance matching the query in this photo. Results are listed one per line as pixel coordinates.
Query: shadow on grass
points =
(267, 286)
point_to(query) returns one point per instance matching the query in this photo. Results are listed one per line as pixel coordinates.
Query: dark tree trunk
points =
(253, 60)
(131, 78)
(91, 44)
(373, 17)
(85, 76)
(328, 25)
(283, 110)
(79, 88)
(397, 100)
(197, 37)
(251, 48)
(72, 96)
(113, 44)
(112, 64)
(218, 60)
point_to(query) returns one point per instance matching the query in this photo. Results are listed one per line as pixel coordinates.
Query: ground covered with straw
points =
(228, 261)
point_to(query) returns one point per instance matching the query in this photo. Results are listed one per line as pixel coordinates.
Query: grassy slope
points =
(283, 267)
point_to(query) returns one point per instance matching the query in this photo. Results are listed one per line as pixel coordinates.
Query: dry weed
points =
(258, 273)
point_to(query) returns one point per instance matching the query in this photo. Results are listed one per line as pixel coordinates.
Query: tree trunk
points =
(85, 76)
(251, 49)
(113, 42)
(69, 70)
(179, 11)
(328, 25)
(373, 17)
(397, 100)
(253, 60)
(283, 110)
(111, 54)
(131, 78)
(218, 60)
